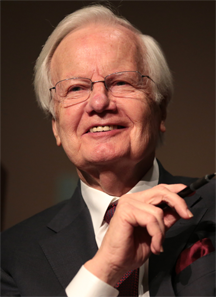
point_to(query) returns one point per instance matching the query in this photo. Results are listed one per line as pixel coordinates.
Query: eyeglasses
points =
(126, 84)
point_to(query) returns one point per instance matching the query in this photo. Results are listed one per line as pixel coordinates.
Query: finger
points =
(152, 225)
(157, 237)
(135, 205)
(164, 194)
(170, 217)
(175, 188)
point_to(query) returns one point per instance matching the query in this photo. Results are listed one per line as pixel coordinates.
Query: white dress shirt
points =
(85, 284)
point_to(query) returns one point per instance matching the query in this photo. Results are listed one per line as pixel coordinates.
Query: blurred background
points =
(35, 173)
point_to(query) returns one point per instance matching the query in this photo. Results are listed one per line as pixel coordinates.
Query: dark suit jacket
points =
(41, 255)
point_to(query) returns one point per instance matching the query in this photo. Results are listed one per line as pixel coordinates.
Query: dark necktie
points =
(128, 284)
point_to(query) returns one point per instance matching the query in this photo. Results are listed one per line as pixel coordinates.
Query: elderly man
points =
(107, 87)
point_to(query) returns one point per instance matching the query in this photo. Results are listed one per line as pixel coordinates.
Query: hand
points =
(137, 228)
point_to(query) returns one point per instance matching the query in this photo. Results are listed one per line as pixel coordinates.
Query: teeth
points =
(102, 128)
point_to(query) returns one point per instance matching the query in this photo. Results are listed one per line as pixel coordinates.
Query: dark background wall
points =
(37, 174)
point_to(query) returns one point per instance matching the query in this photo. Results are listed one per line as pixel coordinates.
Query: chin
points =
(104, 153)
(105, 160)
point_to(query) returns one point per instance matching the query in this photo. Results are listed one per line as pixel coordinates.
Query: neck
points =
(115, 180)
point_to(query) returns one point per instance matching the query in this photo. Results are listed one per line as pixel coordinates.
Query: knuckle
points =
(162, 190)
(123, 203)
(151, 218)
(159, 235)
(159, 212)
(123, 208)
(161, 187)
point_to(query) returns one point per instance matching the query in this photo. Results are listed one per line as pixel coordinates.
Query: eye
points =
(77, 89)
(120, 83)
(74, 89)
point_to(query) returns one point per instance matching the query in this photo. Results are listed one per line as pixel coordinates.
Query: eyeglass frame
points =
(97, 81)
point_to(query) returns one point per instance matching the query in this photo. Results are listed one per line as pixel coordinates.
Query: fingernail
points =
(190, 213)
(161, 249)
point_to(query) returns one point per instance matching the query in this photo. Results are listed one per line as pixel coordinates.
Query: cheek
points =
(69, 118)
(68, 123)
(146, 124)
(141, 114)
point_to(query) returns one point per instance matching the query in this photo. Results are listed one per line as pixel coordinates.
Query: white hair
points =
(153, 58)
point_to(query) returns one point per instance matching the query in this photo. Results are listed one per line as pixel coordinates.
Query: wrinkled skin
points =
(114, 161)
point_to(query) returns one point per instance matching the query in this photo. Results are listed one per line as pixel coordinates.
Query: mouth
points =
(104, 128)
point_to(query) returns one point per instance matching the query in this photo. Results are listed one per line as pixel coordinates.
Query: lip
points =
(105, 134)
(119, 127)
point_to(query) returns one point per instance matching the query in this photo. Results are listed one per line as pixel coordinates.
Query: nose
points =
(99, 100)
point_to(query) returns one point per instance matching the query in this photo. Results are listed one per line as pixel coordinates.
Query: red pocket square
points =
(197, 250)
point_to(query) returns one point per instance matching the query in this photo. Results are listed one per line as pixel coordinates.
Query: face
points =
(133, 124)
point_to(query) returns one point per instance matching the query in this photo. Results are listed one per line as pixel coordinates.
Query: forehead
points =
(96, 48)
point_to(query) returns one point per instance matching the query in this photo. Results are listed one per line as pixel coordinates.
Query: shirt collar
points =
(98, 201)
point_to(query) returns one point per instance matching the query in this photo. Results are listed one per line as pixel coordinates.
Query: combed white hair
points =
(153, 58)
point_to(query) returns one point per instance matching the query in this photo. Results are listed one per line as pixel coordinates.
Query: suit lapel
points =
(72, 242)
(161, 267)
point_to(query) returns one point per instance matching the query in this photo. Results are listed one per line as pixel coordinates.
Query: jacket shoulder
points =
(30, 229)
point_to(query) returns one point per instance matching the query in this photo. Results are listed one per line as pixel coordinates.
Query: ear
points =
(55, 132)
(162, 126)
(163, 110)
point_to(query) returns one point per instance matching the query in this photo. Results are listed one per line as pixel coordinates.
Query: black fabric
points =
(41, 255)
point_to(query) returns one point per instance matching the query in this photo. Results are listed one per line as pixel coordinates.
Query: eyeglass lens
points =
(126, 84)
